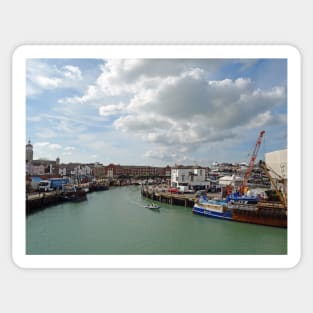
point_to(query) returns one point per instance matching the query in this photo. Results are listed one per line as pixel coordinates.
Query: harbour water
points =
(116, 222)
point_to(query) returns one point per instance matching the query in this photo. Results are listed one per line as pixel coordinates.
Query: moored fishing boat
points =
(247, 213)
(71, 193)
(212, 208)
(236, 198)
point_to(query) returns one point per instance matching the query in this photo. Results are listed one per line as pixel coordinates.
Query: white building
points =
(277, 160)
(230, 180)
(62, 171)
(188, 176)
(82, 170)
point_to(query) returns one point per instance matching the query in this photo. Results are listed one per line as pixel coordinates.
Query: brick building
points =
(117, 170)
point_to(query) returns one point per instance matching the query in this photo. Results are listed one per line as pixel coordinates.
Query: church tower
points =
(29, 152)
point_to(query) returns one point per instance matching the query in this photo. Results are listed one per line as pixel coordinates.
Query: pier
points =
(186, 200)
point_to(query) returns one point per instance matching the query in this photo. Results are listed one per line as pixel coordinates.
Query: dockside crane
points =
(281, 194)
(243, 186)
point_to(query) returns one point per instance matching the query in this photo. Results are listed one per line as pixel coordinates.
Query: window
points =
(183, 178)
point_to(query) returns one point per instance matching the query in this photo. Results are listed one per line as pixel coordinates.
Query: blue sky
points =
(155, 111)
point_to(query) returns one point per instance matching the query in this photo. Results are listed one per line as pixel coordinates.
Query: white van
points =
(44, 185)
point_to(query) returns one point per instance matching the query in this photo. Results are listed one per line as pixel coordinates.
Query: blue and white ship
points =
(247, 213)
(212, 208)
(236, 198)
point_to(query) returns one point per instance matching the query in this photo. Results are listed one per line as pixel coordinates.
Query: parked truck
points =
(52, 184)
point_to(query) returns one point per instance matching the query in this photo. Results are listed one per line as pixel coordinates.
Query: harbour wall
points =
(43, 200)
(39, 201)
(172, 199)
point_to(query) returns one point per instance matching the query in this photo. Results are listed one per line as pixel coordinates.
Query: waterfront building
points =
(114, 171)
(97, 169)
(277, 160)
(233, 180)
(81, 169)
(62, 171)
(43, 167)
(192, 176)
(37, 169)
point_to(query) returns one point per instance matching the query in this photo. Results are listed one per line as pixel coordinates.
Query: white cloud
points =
(47, 145)
(41, 144)
(46, 133)
(54, 146)
(184, 112)
(69, 148)
(68, 127)
(91, 94)
(33, 118)
(72, 72)
(267, 118)
(112, 109)
(67, 153)
(176, 106)
(42, 76)
(46, 82)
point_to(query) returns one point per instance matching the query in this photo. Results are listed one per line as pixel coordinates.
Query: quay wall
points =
(38, 203)
(172, 199)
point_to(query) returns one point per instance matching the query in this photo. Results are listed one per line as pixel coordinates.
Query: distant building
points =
(43, 167)
(233, 180)
(40, 167)
(117, 170)
(37, 169)
(62, 170)
(99, 170)
(184, 175)
(81, 169)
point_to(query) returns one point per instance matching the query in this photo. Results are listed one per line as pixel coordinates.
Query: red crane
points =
(251, 163)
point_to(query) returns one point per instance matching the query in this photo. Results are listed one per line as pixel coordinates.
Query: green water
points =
(116, 222)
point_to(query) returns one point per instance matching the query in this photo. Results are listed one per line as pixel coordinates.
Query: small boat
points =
(71, 193)
(152, 206)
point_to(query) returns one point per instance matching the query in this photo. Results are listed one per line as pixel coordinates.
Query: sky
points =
(155, 111)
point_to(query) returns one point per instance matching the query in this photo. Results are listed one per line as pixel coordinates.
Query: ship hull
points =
(210, 213)
(260, 217)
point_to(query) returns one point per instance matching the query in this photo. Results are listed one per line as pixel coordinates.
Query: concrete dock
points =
(186, 200)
